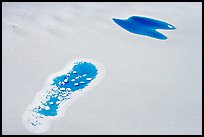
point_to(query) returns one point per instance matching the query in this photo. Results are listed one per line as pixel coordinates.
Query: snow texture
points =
(149, 87)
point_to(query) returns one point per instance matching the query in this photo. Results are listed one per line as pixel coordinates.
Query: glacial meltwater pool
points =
(144, 26)
(59, 90)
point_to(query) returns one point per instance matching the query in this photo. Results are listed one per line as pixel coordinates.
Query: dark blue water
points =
(63, 86)
(144, 26)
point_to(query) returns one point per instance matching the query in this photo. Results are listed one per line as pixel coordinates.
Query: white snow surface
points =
(150, 86)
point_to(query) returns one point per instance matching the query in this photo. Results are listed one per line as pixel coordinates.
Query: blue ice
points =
(144, 26)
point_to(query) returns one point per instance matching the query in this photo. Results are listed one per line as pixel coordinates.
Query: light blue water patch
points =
(63, 86)
(144, 26)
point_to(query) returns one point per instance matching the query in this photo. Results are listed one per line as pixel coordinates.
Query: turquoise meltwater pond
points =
(144, 26)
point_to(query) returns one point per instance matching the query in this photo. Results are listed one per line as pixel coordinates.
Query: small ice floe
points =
(170, 26)
(78, 77)
(66, 80)
(68, 89)
(55, 96)
(47, 107)
(62, 88)
(57, 102)
(76, 84)
(74, 72)
(88, 78)
(64, 95)
(51, 103)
